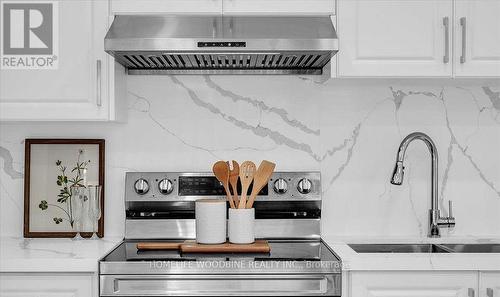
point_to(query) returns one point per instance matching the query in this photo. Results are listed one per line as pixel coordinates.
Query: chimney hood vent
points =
(176, 44)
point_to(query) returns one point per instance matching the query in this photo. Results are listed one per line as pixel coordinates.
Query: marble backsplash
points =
(347, 129)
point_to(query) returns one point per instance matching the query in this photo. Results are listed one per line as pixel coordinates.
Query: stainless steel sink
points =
(473, 248)
(398, 248)
(426, 248)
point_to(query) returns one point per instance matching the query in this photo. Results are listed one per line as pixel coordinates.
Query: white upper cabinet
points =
(395, 38)
(313, 7)
(477, 38)
(277, 7)
(166, 6)
(411, 284)
(81, 87)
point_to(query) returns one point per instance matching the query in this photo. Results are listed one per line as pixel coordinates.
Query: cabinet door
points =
(292, 7)
(394, 38)
(47, 285)
(477, 38)
(489, 284)
(413, 284)
(75, 89)
(166, 6)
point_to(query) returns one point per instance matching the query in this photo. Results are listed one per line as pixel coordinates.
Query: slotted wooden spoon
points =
(221, 172)
(247, 170)
(234, 174)
(260, 179)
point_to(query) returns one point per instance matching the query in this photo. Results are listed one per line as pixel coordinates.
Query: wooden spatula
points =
(234, 174)
(221, 172)
(260, 179)
(247, 170)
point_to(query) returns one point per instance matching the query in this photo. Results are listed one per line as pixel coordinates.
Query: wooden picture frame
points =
(46, 148)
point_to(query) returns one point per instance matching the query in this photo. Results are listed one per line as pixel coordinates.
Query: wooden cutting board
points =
(190, 246)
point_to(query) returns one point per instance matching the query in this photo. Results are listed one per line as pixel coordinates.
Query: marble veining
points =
(398, 99)
(143, 105)
(420, 224)
(400, 95)
(352, 140)
(258, 130)
(446, 175)
(53, 254)
(27, 246)
(494, 97)
(146, 107)
(463, 149)
(8, 161)
(347, 129)
(281, 112)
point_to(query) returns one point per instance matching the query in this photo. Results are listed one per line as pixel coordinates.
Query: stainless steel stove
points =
(160, 207)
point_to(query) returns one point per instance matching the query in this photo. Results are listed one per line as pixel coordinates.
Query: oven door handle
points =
(243, 285)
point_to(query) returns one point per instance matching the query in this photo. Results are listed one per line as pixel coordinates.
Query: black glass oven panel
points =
(208, 186)
(280, 251)
(172, 215)
(186, 210)
(134, 214)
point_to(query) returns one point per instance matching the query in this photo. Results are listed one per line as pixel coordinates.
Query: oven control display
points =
(207, 186)
(199, 186)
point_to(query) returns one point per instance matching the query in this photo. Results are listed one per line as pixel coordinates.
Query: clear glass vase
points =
(94, 195)
(76, 206)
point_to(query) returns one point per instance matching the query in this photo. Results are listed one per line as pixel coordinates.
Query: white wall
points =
(350, 130)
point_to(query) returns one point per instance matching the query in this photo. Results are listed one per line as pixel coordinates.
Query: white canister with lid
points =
(210, 221)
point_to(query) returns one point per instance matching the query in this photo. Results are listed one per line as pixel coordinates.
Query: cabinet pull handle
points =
(446, 24)
(489, 292)
(214, 28)
(470, 292)
(98, 84)
(463, 23)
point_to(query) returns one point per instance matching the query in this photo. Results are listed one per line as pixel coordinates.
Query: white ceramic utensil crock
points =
(241, 225)
(210, 221)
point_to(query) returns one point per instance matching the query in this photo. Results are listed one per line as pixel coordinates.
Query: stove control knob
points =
(141, 186)
(304, 186)
(165, 186)
(280, 186)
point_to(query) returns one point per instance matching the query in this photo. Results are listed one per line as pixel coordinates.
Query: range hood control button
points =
(141, 186)
(304, 186)
(165, 186)
(280, 186)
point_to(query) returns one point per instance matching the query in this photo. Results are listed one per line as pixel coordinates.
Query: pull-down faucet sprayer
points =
(435, 219)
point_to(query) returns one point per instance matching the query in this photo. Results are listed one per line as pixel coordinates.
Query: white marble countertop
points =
(53, 254)
(65, 255)
(352, 260)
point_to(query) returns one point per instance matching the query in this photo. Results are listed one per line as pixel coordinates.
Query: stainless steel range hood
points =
(167, 44)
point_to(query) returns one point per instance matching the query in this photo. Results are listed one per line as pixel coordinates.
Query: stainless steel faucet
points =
(435, 219)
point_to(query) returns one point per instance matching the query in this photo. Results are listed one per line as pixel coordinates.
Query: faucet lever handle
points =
(450, 219)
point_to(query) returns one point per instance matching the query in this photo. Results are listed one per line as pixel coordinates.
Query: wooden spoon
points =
(221, 172)
(247, 170)
(260, 179)
(233, 180)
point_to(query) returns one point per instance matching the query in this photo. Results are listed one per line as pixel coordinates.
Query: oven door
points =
(233, 285)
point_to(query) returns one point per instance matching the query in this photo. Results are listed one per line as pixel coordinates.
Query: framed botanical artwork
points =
(53, 168)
